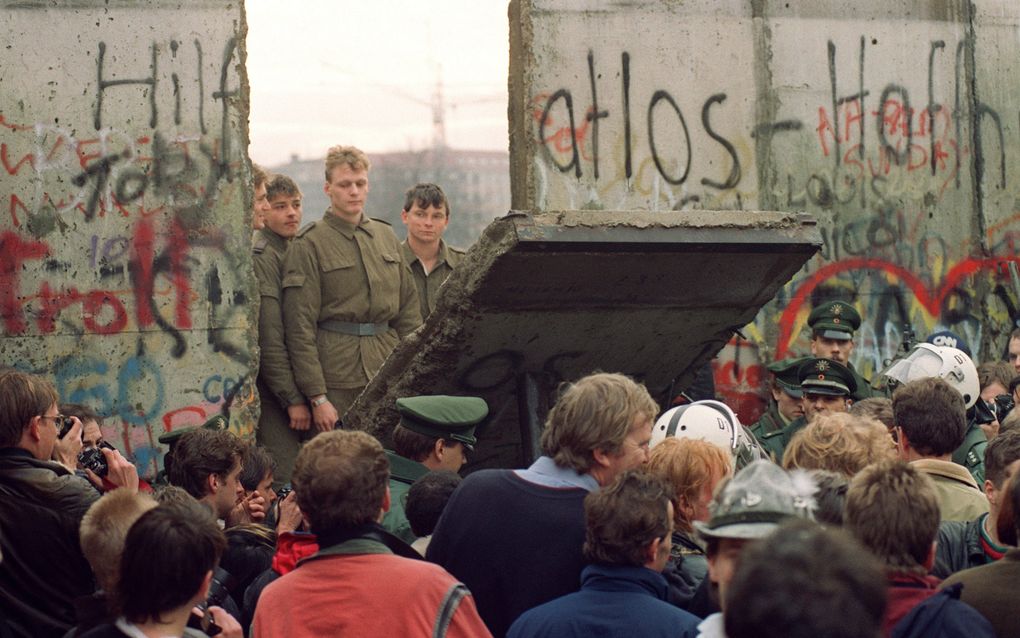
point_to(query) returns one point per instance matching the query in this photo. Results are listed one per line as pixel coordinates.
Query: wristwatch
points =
(317, 402)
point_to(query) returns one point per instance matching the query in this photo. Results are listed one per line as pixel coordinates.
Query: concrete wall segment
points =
(893, 123)
(125, 236)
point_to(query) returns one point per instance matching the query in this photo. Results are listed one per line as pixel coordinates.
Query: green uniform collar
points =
(346, 228)
(272, 239)
(405, 470)
(443, 257)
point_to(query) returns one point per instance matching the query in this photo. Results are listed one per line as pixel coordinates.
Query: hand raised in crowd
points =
(249, 509)
(122, 472)
(67, 449)
(300, 416)
(288, 515)
(325, 416)
(227, 623)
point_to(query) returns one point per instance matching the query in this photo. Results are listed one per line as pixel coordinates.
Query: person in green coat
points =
(826, 386)
(833, 324)
(785, 405)
(434, 433)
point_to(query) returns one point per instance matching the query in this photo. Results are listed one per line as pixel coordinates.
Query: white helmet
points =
(710, 421)
(952, 365)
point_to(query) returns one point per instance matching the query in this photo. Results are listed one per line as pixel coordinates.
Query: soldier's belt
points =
(355, 329)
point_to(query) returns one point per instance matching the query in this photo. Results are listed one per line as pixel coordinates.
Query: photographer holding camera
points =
(42, 504)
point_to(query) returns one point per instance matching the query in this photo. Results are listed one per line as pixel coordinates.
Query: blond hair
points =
(345, 156)
(688, 465)
(839, 442)
(104, 528)
(594, 413)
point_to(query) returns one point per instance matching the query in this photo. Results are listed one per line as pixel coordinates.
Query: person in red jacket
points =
(356, 583)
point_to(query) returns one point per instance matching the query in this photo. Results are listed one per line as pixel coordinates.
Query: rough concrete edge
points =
(522, 59)
(675, 219)
(427, 352)
(243, 105)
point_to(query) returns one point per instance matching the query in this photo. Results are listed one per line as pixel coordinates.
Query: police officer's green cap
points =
(218, 422)
(834, 320)
(443, 416)
(828, 377)
(787, 373)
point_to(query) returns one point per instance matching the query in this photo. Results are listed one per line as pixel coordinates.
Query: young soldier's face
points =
(789, 406)
(261, 207)
(347, 190)
(284, 216)
(425, 224)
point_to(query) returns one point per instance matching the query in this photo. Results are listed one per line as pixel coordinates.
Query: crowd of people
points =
(851, 509)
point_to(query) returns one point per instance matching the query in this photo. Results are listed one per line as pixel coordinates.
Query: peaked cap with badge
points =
(834, 320)
(218, 422)
(443, 416)
(819, 375)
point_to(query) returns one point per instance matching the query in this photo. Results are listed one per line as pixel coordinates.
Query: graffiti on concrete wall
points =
(124, 251)
(902, 148)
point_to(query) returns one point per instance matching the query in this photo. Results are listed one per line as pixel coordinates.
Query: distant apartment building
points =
(476, 182)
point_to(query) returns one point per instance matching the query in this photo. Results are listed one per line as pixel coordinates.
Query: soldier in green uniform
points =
(285, 419)
(785, 405)
(832, 336)
(826, 386)
(434, 433)
(348, 296)
(426, 214)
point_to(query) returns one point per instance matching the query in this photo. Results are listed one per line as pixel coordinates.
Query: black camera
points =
(94, 459)
(219, 591)
(995, 410)
(64, 424)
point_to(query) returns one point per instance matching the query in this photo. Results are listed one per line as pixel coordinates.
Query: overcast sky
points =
(364, 72)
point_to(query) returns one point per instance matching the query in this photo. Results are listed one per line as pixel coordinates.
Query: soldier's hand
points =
(300, 416)
(325, 417)
(122, 472)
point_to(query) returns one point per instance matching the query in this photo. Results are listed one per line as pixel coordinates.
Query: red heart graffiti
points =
(932, 303)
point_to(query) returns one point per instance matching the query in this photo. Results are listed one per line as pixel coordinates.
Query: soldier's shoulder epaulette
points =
(259, 244)
(454, 249)
(768, 435)
(304, 231)
(381, 221)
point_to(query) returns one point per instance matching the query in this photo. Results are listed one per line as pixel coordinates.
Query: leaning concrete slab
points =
(543, 298)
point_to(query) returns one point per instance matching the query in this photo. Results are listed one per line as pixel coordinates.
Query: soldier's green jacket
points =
(770, 421)
(403, 473)
(971, 454)
(428, 285)
(774, 443)
(338, 271)
(864, 389)
(274, 363)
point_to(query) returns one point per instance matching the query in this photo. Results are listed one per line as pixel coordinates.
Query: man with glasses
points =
(42, 503)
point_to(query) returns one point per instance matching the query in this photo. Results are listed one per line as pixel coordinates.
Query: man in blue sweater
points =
(628, 538)
(514, 537)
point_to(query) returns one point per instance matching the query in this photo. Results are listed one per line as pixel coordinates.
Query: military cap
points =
(443, 416)
(218, 422)
(834, 320)
(825, 376)
(787, 373)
